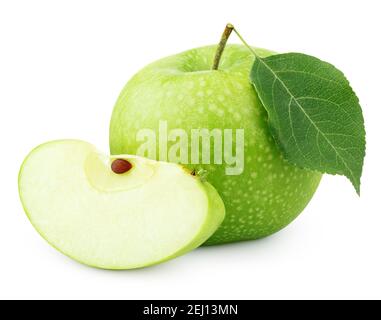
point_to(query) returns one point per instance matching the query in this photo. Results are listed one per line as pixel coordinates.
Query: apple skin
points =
(184, 91)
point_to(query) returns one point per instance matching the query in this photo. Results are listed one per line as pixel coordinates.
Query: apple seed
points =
(120, 166)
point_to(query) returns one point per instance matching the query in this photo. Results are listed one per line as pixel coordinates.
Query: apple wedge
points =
(119, 212)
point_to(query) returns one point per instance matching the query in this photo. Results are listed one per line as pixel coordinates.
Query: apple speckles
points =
(237, 117)
(234, 183)
(212, 107)
(231, 110)
(226, 183)
(242, 220)
(220, 113)
(200, 94)
(228, 92)
(191, 101)
(236, 201)
(190, 85)
(221, 98)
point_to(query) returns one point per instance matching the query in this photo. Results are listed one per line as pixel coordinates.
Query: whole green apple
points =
(265, 193)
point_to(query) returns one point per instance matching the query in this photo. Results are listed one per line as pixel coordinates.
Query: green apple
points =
(184, 92)
(119, 212)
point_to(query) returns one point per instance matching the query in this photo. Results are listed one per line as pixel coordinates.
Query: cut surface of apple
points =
(153, 212)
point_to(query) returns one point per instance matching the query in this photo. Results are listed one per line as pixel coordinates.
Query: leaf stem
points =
(245, 43)
(221, 46)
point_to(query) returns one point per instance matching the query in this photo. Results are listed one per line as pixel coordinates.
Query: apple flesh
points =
(185, 92)
(152, 212)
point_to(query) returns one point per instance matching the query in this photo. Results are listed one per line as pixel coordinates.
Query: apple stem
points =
(221, 46)
(224, 39)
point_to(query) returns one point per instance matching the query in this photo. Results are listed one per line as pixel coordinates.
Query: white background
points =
(62, 65)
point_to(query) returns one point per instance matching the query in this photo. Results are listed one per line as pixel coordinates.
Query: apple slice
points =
(110, 214)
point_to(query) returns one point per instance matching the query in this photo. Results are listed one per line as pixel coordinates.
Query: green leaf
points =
(314, 115)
